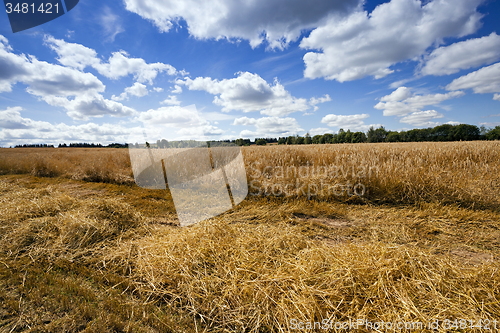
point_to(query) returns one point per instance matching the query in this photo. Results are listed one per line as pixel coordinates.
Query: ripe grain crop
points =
(464, 173)
(89, 164)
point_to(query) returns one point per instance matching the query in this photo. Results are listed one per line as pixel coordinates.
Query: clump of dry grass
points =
(46, 222)
(51, 240)
(258, 278)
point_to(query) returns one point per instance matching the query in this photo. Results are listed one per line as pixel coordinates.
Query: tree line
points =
(41, 145)
(92, 145)
(446, 132)
(221, 143)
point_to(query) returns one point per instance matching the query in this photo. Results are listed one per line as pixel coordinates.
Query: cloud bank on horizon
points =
(222, 69)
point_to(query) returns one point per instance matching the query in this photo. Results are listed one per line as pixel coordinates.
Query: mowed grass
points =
(99, 254)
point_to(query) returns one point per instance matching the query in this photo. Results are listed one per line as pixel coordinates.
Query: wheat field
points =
(401, 232)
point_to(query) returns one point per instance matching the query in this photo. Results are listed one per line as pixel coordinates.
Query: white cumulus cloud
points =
(41, 77)
(397, 95)
(177, 89)
(79, 93)
(16, 129)
(353, 122)
(363, 44)
(84, 106)
(11, 119)
(483, 81)
(171, 100)
(172, 116)
(249, 92)
(138, 90)
(315, 101)
(422, 118)
(178, 123)
(268, 127)
(463, 55)
(278, 22)
(402, 102)
(319, 131)
(245, 121)
(118, 65)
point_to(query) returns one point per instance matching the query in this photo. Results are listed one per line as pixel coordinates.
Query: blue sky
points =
(267, 68)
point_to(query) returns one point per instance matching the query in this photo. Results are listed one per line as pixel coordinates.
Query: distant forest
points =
(75, 145)
(446, 132)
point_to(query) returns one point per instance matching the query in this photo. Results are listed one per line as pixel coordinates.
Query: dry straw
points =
(259, 278)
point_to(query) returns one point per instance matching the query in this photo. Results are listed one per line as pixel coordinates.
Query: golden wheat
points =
(456, 172)
(90, 164)
(450, 172)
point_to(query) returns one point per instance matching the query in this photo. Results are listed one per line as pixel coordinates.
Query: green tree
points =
(307, 139)
(483, 130)
(348, 136)
(466, 132)
(358, 137)
(380, 134)
(260, 142)
(393, 137)
(442, 133)
(371, 134)
(493, 133)
(242, 142)
(326, 138)
(403, 136)
(341, 136)
(316, 139)
(377, 135)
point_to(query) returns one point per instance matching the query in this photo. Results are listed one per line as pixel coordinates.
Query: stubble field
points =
(399, 233)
